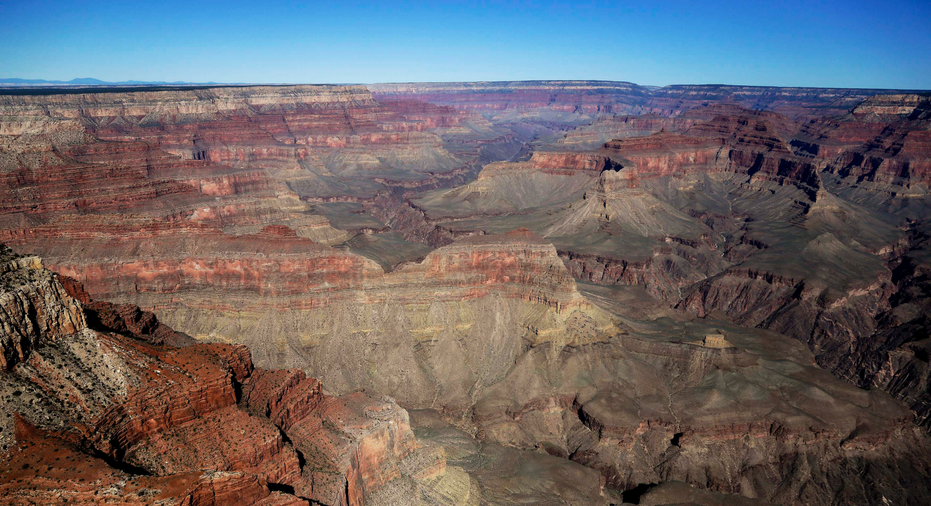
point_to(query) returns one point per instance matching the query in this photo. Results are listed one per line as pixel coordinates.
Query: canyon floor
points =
(548, 292)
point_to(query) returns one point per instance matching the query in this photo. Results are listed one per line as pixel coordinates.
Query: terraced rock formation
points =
(100, 413)
(489, 260)
(815, 230)
(97, 413)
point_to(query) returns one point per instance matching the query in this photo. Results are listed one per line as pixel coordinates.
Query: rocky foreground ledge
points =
(96, 410)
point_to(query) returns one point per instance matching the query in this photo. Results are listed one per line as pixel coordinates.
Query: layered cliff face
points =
(100, 411)
(230, 213)
(514, 100)
(431, 334)
(208, 171)
(305, 135)
(572, 101)
(796, 103)
(642, 403)
(216, 181)
(99, 414)
(744, 215)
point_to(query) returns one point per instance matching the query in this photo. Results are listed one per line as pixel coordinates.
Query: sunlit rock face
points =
(103, 414)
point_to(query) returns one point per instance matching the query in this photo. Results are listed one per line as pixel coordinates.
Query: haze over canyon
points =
(527, 292)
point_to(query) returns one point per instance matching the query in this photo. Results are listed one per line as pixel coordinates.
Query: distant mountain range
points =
(88, 81)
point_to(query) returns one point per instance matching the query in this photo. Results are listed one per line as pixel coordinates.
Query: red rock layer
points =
(725, 139)
(42, 469)
(162, 415)
(178, 189)
(752, 143)
(289, 272)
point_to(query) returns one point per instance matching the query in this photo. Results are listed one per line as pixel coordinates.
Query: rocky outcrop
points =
(104, 413)
(35, 308)
(749, 216)
(654, 426)
(46, 470)
(426, 329)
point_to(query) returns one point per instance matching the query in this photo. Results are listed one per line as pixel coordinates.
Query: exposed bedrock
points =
(745, 215)
(872, 333)
(35, 308)
(526, 361)
(663, 275)
(667, 412)
(447, 325)
(98, 412)
(217, 209)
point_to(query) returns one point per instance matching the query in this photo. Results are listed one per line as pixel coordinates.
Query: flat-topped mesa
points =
(667, 154)
(518, 264)
(570, 163)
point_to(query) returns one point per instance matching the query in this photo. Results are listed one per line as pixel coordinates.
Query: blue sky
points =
(786, 43)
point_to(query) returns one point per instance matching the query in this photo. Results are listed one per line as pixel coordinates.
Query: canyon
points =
(553, 292)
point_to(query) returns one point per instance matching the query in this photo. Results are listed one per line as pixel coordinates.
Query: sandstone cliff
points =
(99, 416)
(137, 421)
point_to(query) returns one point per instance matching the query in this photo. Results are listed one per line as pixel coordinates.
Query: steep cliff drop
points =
(98, 410)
